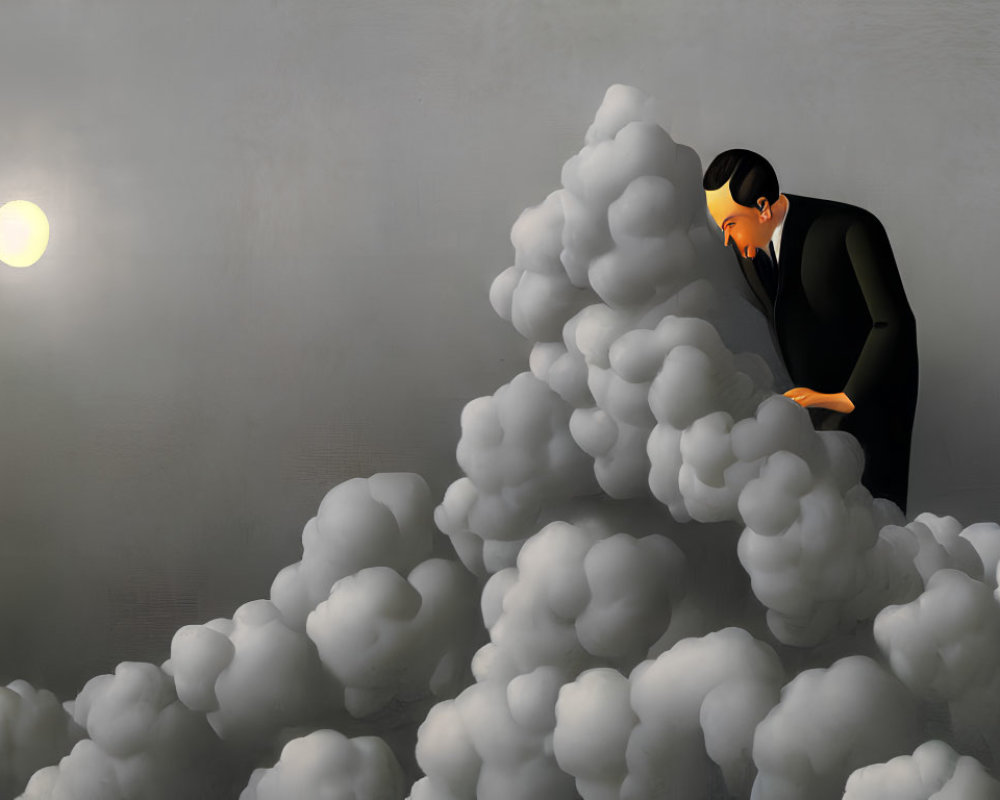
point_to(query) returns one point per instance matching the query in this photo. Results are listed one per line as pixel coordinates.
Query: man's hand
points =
(808, 398)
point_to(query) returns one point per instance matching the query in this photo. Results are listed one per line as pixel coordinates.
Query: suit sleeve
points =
(891, 344)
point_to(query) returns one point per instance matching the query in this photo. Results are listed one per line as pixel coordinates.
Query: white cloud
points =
(946, 642)
(829, 723)
(384, 520)
(606, 674)
(671, 723)
(579, 598)
(933, 772)
(253, 675)
(517, 453)
(143, 743)
(326, 764)
(35, 732)
(384, 636)
(494, 742)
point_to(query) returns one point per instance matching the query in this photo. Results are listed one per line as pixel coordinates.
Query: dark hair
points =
(749, 174)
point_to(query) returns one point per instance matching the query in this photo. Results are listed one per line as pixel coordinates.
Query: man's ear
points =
(764, 208)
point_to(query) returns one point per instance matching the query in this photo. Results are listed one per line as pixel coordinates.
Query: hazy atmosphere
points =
(275, 227)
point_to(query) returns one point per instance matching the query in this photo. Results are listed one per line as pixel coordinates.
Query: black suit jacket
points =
(842, 323)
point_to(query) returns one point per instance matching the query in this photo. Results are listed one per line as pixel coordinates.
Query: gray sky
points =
(274, 227)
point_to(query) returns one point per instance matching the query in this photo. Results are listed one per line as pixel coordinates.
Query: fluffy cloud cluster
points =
(35, 732)
(385, 520)
(672, 724)
(985, 540)
(829, 723)
(637, 345)
(945, 643)
(493, 742)
(578, 598)
(386, 637)
(641, 348)
(620, 246)
(142, 743)
(252, 675)
(364, 627)
(385, 622)
(326, 764)
(625, 504)
(517, 453)
(581, 595)
(697, 390)
(945, 646)
(933, 772)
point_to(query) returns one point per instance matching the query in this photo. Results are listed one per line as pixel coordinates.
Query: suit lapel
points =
(792, 237)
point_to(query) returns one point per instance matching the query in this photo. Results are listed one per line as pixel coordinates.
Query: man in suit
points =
(824, 275)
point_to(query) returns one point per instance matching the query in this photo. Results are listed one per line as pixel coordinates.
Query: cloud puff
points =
(326, 764)
(35, 732)
(383, 636)
(260, 673)
(696, 391)
(703, 697)
(829, 723)
(945, 646)
(384, 520)
(517, 453)
(579, 598)
(985, 539)
(946, 642)
(944, 544)
(535, 294)
(675, 720)
(143, 743)
(594, 721)
(494, 742)
(933, 772)
(253, 675)
(624, 204)
(622, 359)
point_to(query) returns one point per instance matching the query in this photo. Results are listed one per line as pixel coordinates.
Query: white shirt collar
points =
(776, 236)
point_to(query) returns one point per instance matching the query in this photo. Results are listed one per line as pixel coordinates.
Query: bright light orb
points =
(24, 233)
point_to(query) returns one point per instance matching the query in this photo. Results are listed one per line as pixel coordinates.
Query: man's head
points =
(740, 189)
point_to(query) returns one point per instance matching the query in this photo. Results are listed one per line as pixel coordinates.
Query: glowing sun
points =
(24, 233)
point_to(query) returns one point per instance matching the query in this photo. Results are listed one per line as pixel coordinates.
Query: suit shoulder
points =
(842, 215)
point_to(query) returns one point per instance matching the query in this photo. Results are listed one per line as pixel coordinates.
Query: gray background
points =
(275, 224)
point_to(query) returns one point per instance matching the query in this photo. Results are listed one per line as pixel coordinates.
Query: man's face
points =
(745, 227)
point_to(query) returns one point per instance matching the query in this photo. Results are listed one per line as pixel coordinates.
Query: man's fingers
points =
(800, 396)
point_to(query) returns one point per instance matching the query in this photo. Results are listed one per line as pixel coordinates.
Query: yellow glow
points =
(24, 233)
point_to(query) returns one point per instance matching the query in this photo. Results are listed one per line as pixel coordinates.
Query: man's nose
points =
(725, 238)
